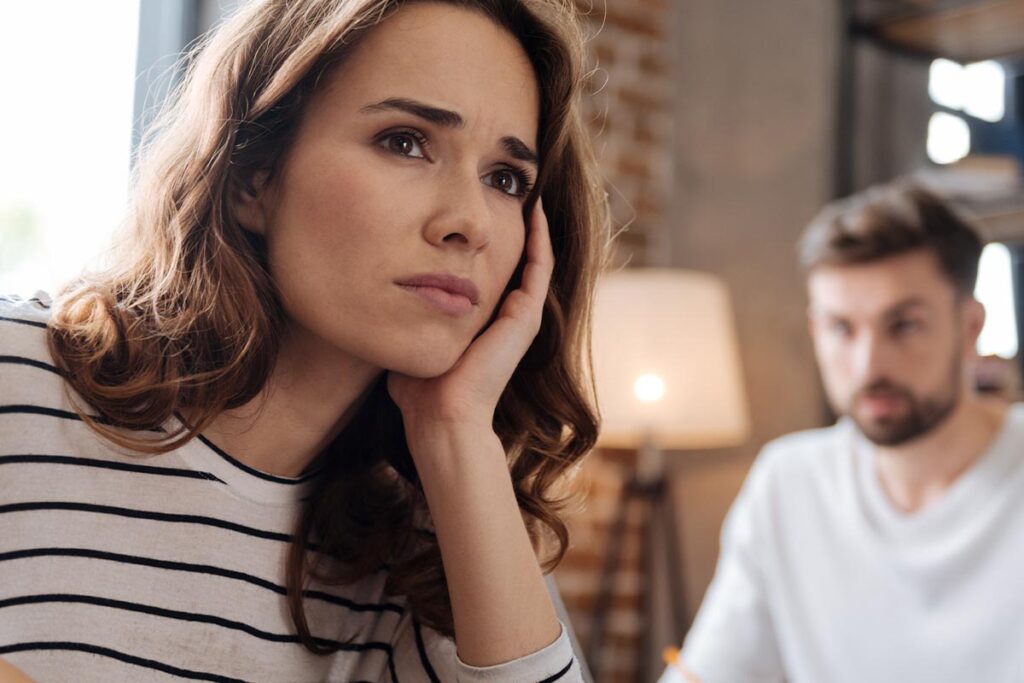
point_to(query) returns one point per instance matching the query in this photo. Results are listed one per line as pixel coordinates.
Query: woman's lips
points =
(448, 293)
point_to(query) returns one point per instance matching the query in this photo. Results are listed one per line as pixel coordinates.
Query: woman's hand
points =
(468, 393)
(11, 674)
(500, 604)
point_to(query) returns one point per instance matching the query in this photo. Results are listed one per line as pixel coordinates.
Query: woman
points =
(341, 324)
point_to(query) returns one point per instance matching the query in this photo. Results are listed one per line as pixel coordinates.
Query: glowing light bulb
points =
(649, 388)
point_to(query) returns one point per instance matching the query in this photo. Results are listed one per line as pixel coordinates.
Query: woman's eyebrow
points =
(441, 117)
(448, 119)
(518, 149)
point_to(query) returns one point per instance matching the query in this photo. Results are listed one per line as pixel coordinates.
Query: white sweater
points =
(822, 580)
(121, 567)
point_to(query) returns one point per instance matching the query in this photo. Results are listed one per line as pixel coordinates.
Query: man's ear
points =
(249, 202)
(973, 321)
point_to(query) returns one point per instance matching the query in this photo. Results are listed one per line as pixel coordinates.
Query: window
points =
(949, 138)
(995, 291)
(68, 71)
(978, 90)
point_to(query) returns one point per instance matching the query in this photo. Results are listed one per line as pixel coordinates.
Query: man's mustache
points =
(882, 387)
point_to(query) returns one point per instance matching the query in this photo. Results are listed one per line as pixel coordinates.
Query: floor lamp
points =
(667, 370)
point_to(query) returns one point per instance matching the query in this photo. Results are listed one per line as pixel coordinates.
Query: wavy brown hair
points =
(187, 319)
(892, 219)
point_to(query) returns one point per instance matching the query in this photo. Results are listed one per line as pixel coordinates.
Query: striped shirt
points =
(116, 566)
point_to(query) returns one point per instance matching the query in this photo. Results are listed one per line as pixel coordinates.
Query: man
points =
(890, 546)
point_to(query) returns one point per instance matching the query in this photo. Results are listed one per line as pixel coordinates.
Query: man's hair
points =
(889, 220)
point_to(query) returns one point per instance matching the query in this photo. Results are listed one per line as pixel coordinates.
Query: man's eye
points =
(841, 327)
(904, 326)
(404, 144)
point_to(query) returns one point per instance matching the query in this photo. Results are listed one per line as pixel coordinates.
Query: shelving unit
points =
(961, 30)
(964, 31)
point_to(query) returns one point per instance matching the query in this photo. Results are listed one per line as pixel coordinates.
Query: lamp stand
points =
(648, 486)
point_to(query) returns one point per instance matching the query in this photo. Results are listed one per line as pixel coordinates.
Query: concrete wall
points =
(891, 112)
(753, 163)
(714, 123)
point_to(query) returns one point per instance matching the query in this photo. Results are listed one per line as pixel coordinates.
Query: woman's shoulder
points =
(24, 351)
(23, 326)
(18, 314)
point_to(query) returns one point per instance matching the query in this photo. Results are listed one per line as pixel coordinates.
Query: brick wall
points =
(715, 125)
(600, 482)
(630, 111)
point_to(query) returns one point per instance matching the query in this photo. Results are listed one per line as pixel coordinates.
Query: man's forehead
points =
(870, 309)
(879, 288)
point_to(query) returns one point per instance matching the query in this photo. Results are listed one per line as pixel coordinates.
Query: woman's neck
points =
(312, 393)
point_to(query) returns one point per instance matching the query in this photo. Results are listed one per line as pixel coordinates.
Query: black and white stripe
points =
(114, 560)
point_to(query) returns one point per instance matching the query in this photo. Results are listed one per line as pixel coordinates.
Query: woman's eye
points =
(404, 144)
(509, 181)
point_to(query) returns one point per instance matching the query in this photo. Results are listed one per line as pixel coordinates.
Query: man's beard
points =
(923, 414)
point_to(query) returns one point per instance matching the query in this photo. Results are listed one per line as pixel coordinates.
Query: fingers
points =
(519, 318)
(540, 256)
(11, 674)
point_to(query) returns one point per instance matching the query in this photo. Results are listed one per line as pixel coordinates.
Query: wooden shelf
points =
(961, 30)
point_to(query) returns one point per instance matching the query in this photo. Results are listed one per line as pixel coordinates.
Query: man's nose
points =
(872, 357)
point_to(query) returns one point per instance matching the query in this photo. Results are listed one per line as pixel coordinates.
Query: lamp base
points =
(649, 487)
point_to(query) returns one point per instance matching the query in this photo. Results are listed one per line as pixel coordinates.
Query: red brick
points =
(634, 166)
(653, 65)
(642, 100)
(629, 111)
(605, 54)
(634, 23)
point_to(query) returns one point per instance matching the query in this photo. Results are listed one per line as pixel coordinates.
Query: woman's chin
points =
(425, 365)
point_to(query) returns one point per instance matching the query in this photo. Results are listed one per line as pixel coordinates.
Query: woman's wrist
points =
(443, 447)
(500, 604)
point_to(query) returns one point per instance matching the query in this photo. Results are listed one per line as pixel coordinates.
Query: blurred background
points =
(722, 126)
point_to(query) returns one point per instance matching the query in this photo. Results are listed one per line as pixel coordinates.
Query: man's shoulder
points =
(796, 479)
(802, 455)
(1007, 452)
(1014, 418)
(809, 440)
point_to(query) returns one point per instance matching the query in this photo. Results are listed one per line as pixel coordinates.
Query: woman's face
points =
(397, 219)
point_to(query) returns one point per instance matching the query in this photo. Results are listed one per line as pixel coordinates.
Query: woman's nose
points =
(462, 218)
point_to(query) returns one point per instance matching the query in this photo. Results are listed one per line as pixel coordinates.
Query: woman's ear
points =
(249, 202)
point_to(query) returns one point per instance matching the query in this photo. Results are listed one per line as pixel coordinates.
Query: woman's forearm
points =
(500, 603)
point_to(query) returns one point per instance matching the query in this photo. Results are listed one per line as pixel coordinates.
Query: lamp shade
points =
(666, 361)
